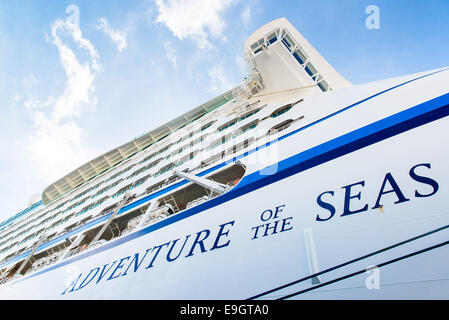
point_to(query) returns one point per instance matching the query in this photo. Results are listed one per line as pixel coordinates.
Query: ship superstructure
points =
(73, 209)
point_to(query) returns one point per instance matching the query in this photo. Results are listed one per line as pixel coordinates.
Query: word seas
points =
(353, 204)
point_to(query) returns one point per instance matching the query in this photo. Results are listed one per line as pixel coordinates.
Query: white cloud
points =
(246, 16)
(79, 89)
(118, 36)
(219, 82)
(197, 19)
(170, 52)
(241, 63)
(55, 148)
(55, 144)
(30, 81)
(34, 103)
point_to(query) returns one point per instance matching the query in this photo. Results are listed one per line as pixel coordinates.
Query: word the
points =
(274, 226)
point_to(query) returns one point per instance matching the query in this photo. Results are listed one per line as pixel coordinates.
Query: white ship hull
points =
(361, 182)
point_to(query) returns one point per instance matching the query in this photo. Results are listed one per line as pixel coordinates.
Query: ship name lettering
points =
(276, 225)
(389, 191)
(191, 245)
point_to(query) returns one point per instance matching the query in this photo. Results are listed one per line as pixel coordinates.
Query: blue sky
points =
(69, 94)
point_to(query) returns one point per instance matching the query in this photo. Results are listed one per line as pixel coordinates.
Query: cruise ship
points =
(294, 184)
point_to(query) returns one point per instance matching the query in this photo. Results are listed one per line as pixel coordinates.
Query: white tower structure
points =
(300, 67)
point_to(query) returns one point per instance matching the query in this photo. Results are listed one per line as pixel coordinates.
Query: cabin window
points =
(165, 169)
(280, 111)
(206, 126)
(256, 47)
(300, 56)
(310, 69)
(245, 128)
(227, 125)
(281, 126)
(323, 86)
(284, 109)
(288, 41)
(272, 38)
(247, 115)
(241, 118)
